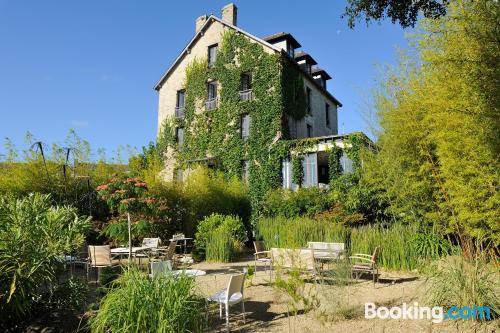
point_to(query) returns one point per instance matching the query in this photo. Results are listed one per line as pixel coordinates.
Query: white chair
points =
(261, 255)
(232, 295)
(151, 242)
(160, 268)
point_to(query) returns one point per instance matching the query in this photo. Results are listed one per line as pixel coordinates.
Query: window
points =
(308, 99)
(179, 135)
(309, 131)
(178, 175)
(211, 95)
(212, 55)
(245, 126)
(246, 82)
(290, 50)
(179, 105)
(327, 114)
(212, 90)
(245, 170)
(180, 99)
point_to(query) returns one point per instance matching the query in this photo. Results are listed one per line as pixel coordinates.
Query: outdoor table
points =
(121, 251)
(326, 256)
(189, 272)
(182, 239)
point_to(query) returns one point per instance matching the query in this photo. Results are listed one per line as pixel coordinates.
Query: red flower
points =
(141, 184)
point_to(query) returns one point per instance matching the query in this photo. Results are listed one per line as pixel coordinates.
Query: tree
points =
(404, 12)
(440, 120)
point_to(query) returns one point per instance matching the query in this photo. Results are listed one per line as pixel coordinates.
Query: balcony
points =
(179, 112)
(211, 104)
(246, 95)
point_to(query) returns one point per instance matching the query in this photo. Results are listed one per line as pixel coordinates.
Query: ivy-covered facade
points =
(246, 106)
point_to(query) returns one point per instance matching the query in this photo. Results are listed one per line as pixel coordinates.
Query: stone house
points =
(231, 127)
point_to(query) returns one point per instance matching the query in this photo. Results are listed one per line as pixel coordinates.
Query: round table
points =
(189, 272)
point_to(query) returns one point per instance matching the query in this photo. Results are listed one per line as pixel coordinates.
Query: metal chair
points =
(100, 256)
(261, 255)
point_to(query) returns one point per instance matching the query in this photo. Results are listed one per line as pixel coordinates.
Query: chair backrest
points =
(151, 242)
(171, 249)
(259, 246)
(100, 255)
(236, 285)
(179, 235)
(160, 267)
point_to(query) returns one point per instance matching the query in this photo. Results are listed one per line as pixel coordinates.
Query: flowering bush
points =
(148, 215)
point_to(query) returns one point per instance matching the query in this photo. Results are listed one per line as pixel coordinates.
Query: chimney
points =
(200, 21)
(230, 13)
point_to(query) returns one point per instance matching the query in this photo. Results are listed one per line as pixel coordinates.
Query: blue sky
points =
(91, 65)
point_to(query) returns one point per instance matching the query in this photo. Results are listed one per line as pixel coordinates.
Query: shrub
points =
(288, 203)
(457, 281)
(32, 237)
(139, 303)
(219, 235)
(69, 295)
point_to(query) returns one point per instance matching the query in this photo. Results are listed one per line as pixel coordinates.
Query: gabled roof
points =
(320, 71)
(301, 55)
(205, 26)
(279, 36)
(212, 19)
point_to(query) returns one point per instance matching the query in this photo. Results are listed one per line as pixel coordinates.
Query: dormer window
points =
(290, 50)
(212, 55)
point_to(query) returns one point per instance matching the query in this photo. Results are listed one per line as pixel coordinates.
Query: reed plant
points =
(400, 249)
(139, 303)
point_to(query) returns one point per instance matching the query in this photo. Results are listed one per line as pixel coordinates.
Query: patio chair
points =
(160, 268)
(230, 296)
(168, 253)
(261, 255)
(365, 263)
(100, 256)
(152, 244)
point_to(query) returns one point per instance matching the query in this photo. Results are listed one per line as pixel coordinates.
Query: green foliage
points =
(69, 295)
(334, 166)
(456, 281)
(297, 170)
(32, 237)
(295, 233)
(430, 245)
(394, 241)
(302, 202)
(216, 132)
(439, 114)
(69, 181)
(403, 12)
(129, 196)
(219, 235)
(140, 303)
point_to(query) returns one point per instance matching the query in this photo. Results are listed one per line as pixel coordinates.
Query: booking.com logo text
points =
(436, 313)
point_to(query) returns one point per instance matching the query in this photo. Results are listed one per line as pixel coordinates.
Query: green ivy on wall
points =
(334, 165)
(297, 170)
(278, 91)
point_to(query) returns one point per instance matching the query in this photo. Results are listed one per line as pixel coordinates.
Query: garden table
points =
(124, 251)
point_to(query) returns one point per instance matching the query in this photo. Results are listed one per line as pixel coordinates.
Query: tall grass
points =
(220, 245)
(139, 303)
(293, 233)
(398, 248)
(457, 281)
